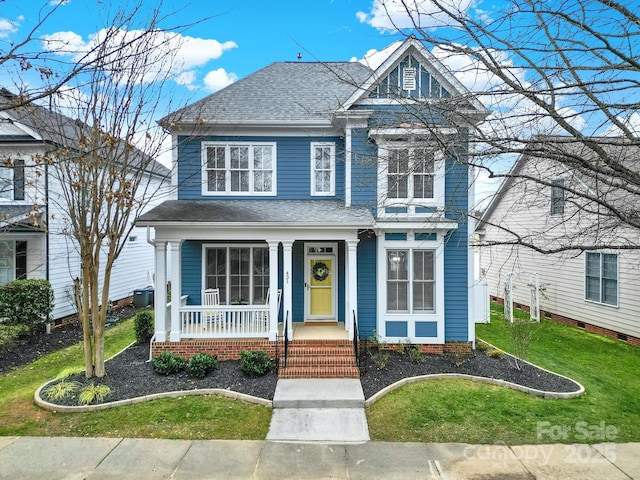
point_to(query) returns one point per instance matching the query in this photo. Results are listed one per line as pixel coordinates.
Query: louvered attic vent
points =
(409, 78)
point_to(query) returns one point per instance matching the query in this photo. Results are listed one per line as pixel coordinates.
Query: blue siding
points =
(455, 253)
(367, 286)
(364, 169)
(298, 282)
(192, 271)
(293, 166)
(395, 236)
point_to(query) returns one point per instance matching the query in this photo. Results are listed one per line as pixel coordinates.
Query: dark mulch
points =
(31, 347)
(131, 375)
(478, 363)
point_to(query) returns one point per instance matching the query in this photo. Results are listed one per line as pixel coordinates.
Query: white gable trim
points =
(32, 133)
(442, 73)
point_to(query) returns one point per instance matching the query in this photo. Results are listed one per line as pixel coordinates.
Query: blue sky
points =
(253, 33)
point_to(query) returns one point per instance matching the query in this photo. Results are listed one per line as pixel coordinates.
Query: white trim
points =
(332, 166)
(347, 166)
(437, 315)
(410, 203)
(584, 279)
(307, 280)
(250, 145)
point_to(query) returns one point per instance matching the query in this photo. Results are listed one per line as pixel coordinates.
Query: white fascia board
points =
(437, 225)
(420, 132)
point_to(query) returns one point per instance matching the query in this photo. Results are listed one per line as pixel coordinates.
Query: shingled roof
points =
(272, 212)
(282, 92)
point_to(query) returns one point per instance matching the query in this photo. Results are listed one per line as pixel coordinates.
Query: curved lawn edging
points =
(37, 398)
(494, 381)
(146, 398)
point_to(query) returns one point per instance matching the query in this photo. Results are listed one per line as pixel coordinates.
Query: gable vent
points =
(409, 78)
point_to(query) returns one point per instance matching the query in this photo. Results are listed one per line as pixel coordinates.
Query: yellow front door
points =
(321, 288)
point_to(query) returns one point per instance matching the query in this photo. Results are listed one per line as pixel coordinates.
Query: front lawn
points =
(184, 418)
(461, 411)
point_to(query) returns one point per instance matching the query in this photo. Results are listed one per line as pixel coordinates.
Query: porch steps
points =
(320, 359)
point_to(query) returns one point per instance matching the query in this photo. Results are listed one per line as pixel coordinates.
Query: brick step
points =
(319, 372)
(319, 342)
(321, 360)
(320, 351)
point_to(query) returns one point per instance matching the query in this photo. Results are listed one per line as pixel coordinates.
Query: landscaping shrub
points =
(495, 353)
(26, 302)
(61, 390)
(10, 333)
(201, 364)
(143, 325)
(168, 363)
(93, 393)
(380, 359)
(255, 362)
(522, 333)
(416, 356)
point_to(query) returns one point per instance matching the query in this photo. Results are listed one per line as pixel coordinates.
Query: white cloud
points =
(374, 58)
(218, 79)
(7, 27)
(391, 15)
(168, 54)
(186, 78)
(631, 122)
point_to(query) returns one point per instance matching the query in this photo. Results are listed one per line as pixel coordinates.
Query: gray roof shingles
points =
(262, 211)
(280, 92)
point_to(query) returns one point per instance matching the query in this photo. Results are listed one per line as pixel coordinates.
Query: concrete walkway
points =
(318, 410)
(27, 458)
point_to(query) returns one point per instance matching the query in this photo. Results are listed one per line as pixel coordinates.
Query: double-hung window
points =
(241, 273)
(601, 278)
(239, 168)
(12, 181)
(411, 173)
(323, 169)
(410, 280)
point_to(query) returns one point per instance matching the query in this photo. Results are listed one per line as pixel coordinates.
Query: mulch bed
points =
(130, 374)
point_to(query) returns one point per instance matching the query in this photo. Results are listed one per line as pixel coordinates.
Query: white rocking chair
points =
(211, 296)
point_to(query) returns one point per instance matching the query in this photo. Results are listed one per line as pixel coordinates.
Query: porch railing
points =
(225, 321)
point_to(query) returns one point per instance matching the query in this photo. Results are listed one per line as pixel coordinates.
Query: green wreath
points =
(320, 271)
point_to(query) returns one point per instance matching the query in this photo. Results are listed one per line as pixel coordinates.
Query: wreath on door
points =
(320, 271)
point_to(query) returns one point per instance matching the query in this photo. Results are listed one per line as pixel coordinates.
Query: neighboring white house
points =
(595, 289)
(33, 223)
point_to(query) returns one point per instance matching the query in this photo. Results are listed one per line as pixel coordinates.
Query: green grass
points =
(462, 411)
(184, 418)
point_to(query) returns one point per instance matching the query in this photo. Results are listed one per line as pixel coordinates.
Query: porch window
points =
(238, 169)
(241, 273)
(13, 260)
(323, 169)
(410, 280)
(410, 173)
(601, 278)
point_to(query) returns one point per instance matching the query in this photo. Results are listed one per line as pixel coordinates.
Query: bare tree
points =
(106, 174)
(562, 83)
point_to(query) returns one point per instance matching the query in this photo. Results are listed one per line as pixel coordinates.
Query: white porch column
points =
(273, 292)
(352, 283)
(176, 289)
(160, 294)
(287, 294)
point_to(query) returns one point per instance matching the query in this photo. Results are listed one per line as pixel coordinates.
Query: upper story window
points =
(411, 173)
(242, 168)
(323, 169)
(12, 181)
(601, 278)
(557, 197)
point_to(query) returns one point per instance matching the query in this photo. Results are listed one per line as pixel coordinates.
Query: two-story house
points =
(34, 230)
(554, 201)
(341, 188)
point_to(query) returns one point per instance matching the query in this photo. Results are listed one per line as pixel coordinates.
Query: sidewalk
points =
(26, 458)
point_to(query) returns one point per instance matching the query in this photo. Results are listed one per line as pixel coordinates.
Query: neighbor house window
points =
(13, 260)
(410, 173)
(323, 169)
(239, 168)
(240, 273)
(601, 278)
(12, 181)
(410, 280)
(557, 197)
